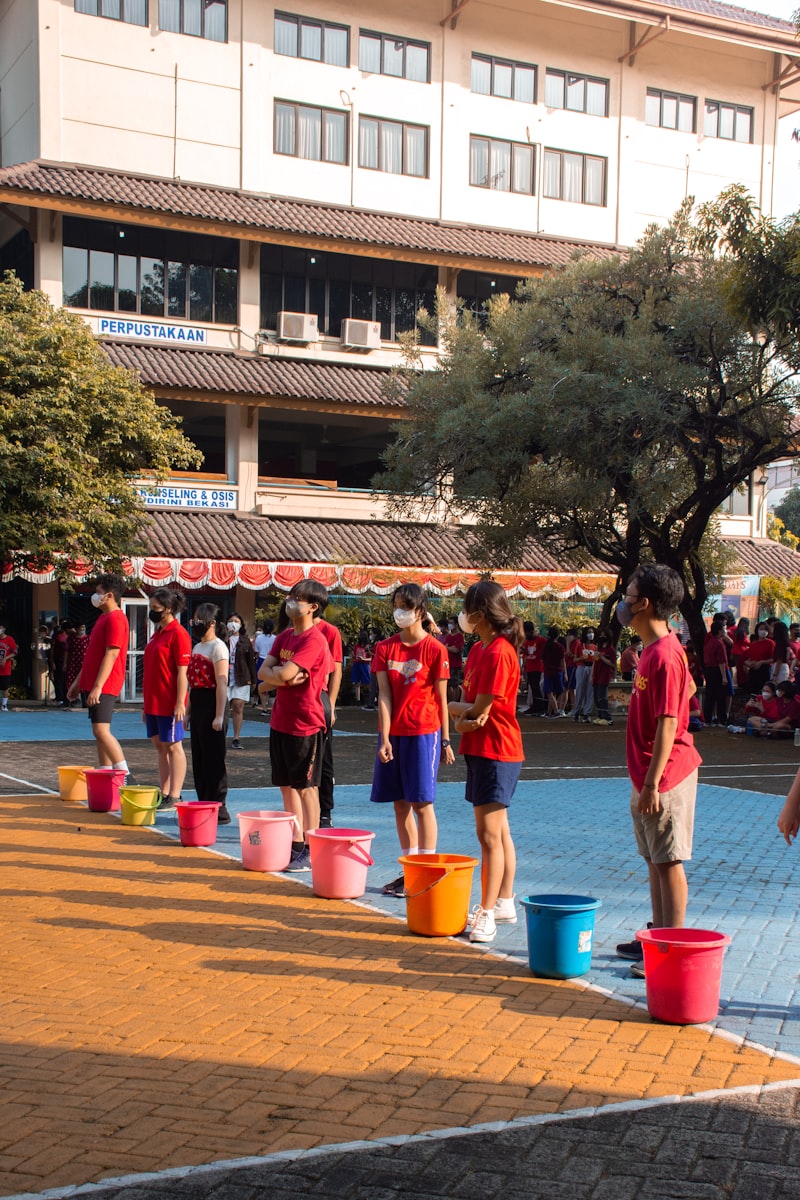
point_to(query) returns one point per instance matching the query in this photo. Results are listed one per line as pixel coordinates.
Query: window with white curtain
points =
(304, 131)
(578, 93)
(733, 122)
(382, 54)
(499, 77)
(501, 166)
(579, 178)
(393, 146)
(199, 18)
(132, 12)
(304, 37)
(669, 110)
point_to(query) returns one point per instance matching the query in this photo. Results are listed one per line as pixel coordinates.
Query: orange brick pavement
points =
(163, 1007)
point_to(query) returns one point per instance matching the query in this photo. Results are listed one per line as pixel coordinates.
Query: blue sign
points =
(188, 497)
(152, 331)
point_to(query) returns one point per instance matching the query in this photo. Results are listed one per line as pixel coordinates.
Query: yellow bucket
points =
(139, 804)
(72, 782)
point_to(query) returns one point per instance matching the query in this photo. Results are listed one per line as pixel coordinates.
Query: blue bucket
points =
(560, 931)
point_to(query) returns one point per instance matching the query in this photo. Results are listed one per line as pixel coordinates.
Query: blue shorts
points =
(490, 781)
(166, 729)
(411, 775)
(552, 684)
(360, 673)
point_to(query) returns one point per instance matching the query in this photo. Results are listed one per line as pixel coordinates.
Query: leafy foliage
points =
(788, 512)
(75, 433)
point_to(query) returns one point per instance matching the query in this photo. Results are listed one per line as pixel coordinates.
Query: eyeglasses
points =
(631, 598)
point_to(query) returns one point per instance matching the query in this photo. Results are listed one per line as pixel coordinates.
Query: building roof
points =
(729, 12)
(762, 556)
(119, 195)
(241, 374)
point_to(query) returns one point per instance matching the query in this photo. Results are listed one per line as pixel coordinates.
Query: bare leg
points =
(109, 750)
(669, 893)
(427, 827)
(406, 826)
(176, 759)
(303, 803)
(491, 825)
(237, 712)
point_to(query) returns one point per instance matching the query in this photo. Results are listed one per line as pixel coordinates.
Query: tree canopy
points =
(75, 435)
(788, 511)
(606, 413)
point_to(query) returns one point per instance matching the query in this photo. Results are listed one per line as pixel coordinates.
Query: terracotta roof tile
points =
(730, 12)
(762, 556)
(250, 210)
(225, 371)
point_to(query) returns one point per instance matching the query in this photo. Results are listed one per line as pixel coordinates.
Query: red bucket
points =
(683, 971)
(197, 822)
(103, 787)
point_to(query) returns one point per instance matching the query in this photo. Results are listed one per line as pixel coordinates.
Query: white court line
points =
(27, 782)
(435, 1135)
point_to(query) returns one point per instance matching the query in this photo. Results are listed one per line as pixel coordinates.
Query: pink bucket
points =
(103, 787)
(266, 839)
(197, 822)
(340, 859)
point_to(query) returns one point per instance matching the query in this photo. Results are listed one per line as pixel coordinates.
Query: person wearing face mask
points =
(532, 665)
(8, 657)
(297, 669)
(584, 693)
(491, 744)
(662, 760)
(715, 668)
(759, 658)
(77, 644)
(165, 684)
(102, 672)
(208, 693)
(242, 678)
(453, 641)
(629, 660)
(412, 669)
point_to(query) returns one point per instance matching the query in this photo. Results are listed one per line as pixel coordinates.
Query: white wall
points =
(19, 82)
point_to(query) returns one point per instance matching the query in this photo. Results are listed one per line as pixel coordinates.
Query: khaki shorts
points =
(239, 693)
(666, 836)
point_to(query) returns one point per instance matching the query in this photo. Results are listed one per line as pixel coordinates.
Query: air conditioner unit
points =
(361, 335)
(298, 327)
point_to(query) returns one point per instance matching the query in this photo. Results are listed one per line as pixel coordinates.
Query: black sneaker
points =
(300, 860)
(167, 802)
(637, 969)
(236, 744)
(223, 816)
(632, 950)
(325, 823)
(396, 888)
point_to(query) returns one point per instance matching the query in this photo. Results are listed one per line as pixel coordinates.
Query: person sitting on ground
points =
(779, 712)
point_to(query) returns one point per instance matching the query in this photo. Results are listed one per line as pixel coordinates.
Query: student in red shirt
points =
(603, 670)
(298, 667)
(8, 657)
(759, 658)
(662, 760)
(492, 746)
(165, 682)
(453, 640)
(102, 672)
(412, 670)
(330, 696)
(715, 669)
(533, 667)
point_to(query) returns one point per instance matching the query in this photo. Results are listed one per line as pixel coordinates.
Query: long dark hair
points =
(488, 600)
(411, 595)
(209, 612)
(780, 636)
(172, 601)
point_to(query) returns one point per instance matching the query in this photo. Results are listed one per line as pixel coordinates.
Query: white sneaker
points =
(483, 927)
(505, 912)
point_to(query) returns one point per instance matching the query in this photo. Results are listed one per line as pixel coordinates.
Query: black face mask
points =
(156, 617)
(201, 627)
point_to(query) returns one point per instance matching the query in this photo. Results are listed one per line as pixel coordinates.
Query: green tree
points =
(605, 415)
(75, 435)
(788, 511)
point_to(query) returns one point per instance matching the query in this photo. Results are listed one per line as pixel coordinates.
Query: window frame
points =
(576, 153)
(388, 37)
(202, 35)
(510, 190)
(736, 109)
(316, 22)
(121, 18)
(575, 76)
(297, 104)
(403, 126)
(665, 93)
(514, 64)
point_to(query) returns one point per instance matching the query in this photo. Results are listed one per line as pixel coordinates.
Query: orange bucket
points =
(72, 782)
(438, 888)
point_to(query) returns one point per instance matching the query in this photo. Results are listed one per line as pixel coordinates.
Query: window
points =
(496, 77)
(668, 110)
(381, 54)
(200, 18)
(336, 286)
(393, 147)
(305, 132)
(579, 93)
(501, 166)
(730, 121)
(475, 290)
(133, 12)
(302, 37)
(580, 178)
(158, 273)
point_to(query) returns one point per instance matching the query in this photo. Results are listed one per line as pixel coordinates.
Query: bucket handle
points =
(142, 807)
(356, 845)
(413, 895)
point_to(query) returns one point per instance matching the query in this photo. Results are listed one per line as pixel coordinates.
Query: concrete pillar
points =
(244, 602)
(241, 451)
(47, 256)
(249, 292)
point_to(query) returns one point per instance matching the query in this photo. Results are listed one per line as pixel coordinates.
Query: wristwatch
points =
(445, 743)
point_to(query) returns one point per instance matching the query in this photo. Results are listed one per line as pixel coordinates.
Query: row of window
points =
(199, 18)
(670, 110)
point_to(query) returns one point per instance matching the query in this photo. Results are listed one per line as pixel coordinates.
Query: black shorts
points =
(296, 761)
(100, 714)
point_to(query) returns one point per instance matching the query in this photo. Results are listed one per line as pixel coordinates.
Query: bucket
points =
(438, 888)
(103, 786)
(72, 782)
(266, 839)
(197, 822)
(340, 859)
(560, 930)
(683, 970)
(139, 804)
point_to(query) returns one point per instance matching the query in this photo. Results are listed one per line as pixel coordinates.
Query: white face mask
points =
(766, 695)
(404, 618)
(762, 633)
(233, 627)
(590, 637)
(296, 608)
(97, 599)
(467, 624)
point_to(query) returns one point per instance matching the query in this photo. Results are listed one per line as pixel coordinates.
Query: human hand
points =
(94, 698)
(649, 802)
(217, 723)
(449, 756)
(180, 711)
(385, 752)
(789, 821)
(300, 677)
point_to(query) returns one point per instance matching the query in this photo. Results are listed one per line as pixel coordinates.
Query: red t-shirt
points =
(8, 650)
(334, 640)
(660, 689)
(412, 671)
(553, 656)
(493, 670)
(168, 649)
(298, 709)
(575, 652)
(761, 650)
(714, 652)
(603, 672)
(109, 630)
(454, 644)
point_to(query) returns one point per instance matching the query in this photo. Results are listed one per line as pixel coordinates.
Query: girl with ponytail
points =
(492, 746)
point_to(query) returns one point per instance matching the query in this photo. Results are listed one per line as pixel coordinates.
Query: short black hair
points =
(312, 593)
(661, 585)
(111, 583)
